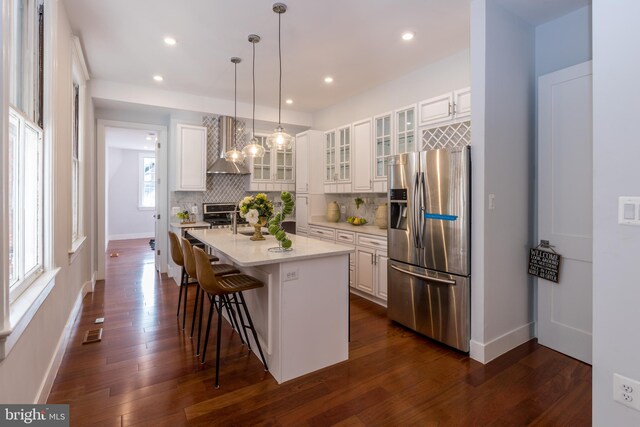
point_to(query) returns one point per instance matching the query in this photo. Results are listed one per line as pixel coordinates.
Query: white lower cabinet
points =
(367, 265)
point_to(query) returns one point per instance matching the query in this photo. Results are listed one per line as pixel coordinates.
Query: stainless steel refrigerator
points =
(429, 277)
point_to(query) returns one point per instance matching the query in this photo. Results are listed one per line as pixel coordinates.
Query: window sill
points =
(23, 310)
(146, 208)
(75, 248)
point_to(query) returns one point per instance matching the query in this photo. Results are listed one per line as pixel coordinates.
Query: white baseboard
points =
(485, 353)
(132, 236)
(368, 297)
(56, 360)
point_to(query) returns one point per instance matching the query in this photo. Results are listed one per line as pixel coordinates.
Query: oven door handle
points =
(423, 277)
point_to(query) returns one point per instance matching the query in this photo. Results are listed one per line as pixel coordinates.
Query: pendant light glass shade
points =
(253, 149)
(279, 139)
(234, 155)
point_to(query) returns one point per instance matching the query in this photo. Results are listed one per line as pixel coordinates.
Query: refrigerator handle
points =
(423, 277)
(422, 189)
(416, 210)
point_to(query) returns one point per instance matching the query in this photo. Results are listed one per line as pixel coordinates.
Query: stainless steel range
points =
(220, 215)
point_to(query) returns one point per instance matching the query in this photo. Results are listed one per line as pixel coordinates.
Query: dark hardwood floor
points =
(144, 372)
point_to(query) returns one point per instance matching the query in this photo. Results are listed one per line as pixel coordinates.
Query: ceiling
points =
(357, 42)
(129, 139)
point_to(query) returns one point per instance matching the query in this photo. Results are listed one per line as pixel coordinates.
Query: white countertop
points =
(245, 252)
(197, 224)
(367, 229)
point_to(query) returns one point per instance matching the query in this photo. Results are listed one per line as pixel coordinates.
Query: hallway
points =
(144, 372)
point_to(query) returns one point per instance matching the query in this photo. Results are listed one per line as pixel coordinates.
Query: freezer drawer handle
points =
(420, 276)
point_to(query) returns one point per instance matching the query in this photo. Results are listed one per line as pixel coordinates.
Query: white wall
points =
(446, 75)
(616, 248)
(126, 220)
(563, 42)
(26, 373)
(502, 54)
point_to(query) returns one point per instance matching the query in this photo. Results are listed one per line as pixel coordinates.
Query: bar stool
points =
(178, 259)
(218, 270)
(225, 286)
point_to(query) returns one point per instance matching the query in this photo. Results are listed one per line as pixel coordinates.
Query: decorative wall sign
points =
(544, 264)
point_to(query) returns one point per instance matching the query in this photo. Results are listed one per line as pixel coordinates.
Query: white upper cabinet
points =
(405, 130)
(191, 164)
(274, 171)
(382, 150)
(309, 168)
(362, 158)
(447, 107)
(337, 160)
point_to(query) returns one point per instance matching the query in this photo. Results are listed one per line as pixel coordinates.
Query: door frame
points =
(161, 188)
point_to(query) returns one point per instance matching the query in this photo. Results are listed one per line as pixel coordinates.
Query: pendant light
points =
(234, 155)
(253, 149)
(279, 139)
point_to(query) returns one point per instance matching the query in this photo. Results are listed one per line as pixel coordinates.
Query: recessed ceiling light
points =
(170, 41)
(407, 36)
(158, 78)
(328, 79)
(289, 101)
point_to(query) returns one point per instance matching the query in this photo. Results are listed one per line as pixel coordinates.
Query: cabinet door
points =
(302, 212)
(330, 156)
(365, 270)
(192, 158)
(381, 274)
(344, 153)
(362, 159)
(302, 163)
(261, 166)
(382, 146)
(405, 125)
(437, 109)
(283, 165)
(462, 102)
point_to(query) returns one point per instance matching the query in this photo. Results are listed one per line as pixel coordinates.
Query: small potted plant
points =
(183, 216)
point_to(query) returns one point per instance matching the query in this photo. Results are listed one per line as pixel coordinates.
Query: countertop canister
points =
(333, 212)
(382, 218)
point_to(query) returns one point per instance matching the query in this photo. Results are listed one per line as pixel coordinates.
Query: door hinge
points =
(158, 252)
(158, 216)
(158, 145)
(158, 181)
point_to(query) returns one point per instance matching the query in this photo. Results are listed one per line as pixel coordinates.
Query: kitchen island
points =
(302, 313)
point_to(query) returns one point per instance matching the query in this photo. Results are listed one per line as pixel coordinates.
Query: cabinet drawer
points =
(372, 241)
(345, 237)
(322, 233)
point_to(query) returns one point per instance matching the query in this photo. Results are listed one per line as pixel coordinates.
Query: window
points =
(75, 163)
(147, 187)
(25, 151)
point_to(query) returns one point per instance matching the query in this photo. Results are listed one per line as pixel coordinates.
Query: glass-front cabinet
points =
(405, 126)
(330, 156)
(337, 160)
(382, 145)
(344, 150)
(275, 171)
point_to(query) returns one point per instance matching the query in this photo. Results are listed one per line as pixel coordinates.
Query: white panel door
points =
(362, 159)
(302, 163)
(365, 269)
(192, 146)
(462, 101)
(302, 212)
(565, 173)
(435, 110)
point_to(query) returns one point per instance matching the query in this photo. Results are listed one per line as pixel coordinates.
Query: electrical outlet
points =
(343, 209)
(626, 391)
(290, 274)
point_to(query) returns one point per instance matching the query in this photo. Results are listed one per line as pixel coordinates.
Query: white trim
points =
(24, 309)
(76, 246)
(141, 156)
(485, 353)
(56, 360)
(131, 236)
(161, 173)
(76, 48)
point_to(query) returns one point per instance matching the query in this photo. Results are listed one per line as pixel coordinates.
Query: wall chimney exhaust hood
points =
(226, 137)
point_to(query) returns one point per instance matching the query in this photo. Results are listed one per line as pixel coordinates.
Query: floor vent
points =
(92, 335)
